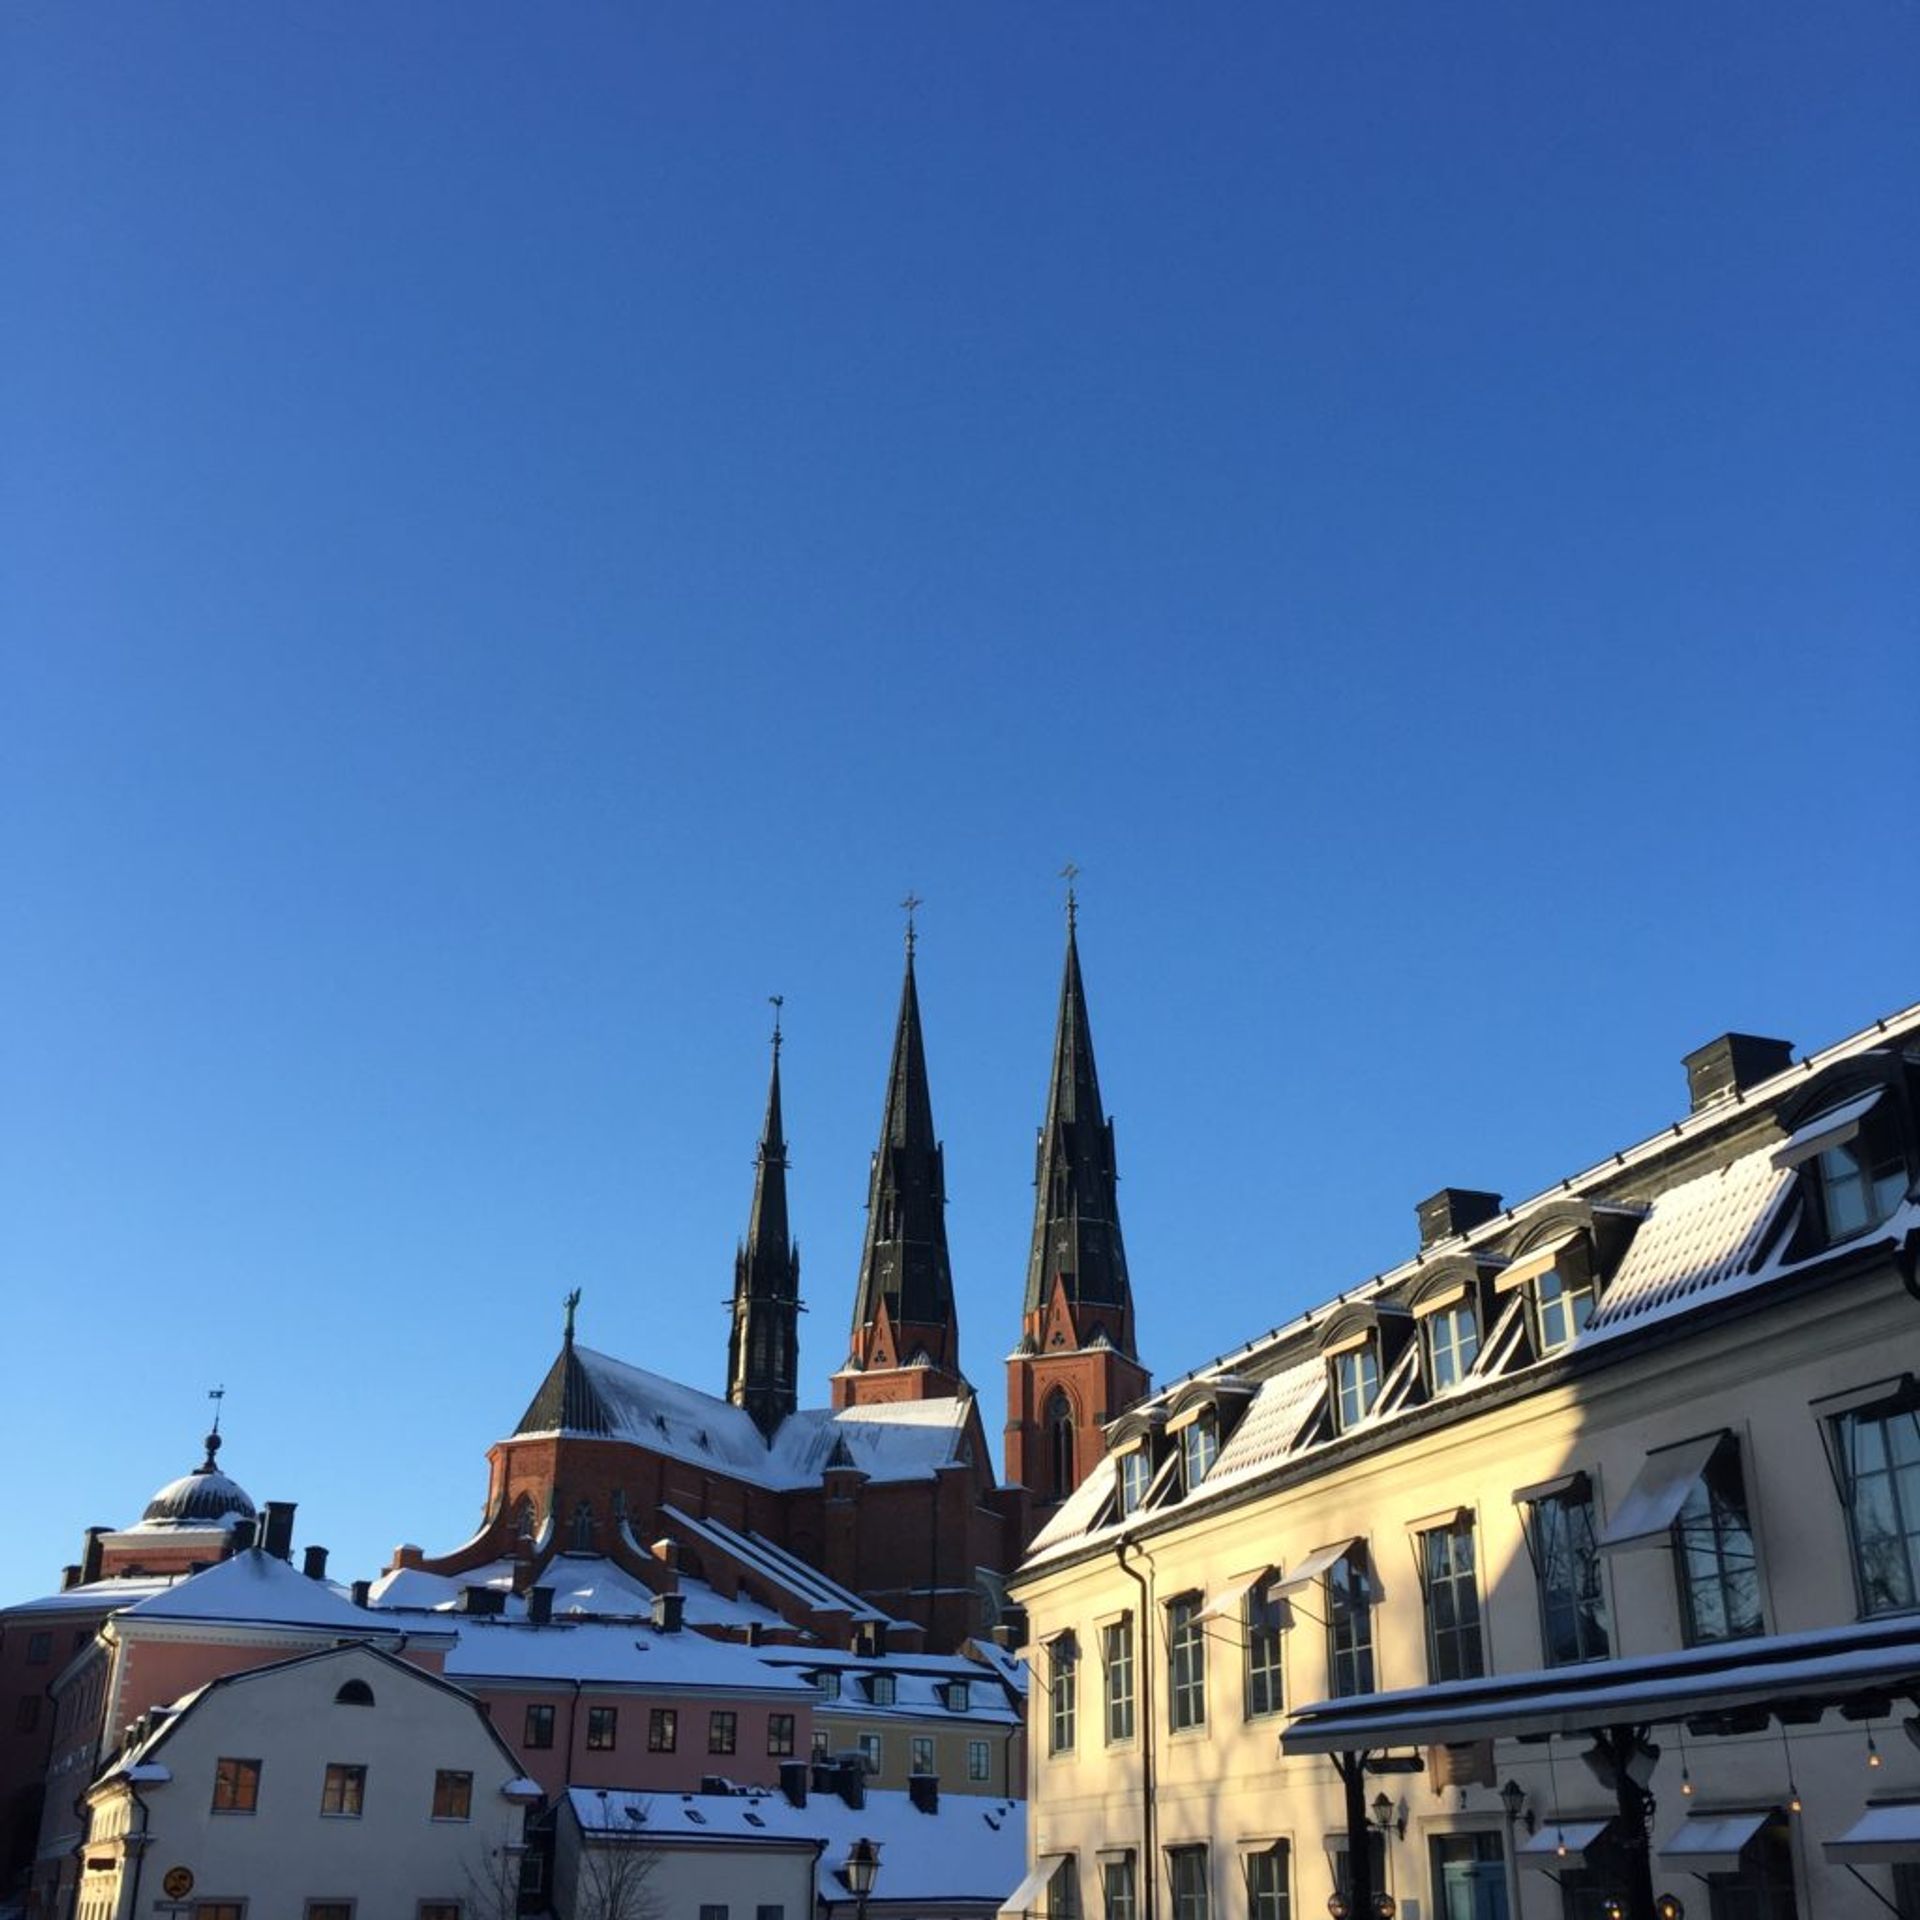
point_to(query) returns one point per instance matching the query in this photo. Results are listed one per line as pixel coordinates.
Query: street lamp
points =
(1513, 1797)
(862, 1863)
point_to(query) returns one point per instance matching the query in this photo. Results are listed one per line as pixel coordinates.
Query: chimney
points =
(69, 1578)
(923, 1789)
(313, 1563)
(870, 1639)
(91, 1554)
(482, 1600)
(852, 1781)
(278, 1537)
(540, 1606)
(241, 1536)
(715, 1783)
(1732, 1064)
(406, 1554)
(669, 1612)
(793, 1781)
(1011, 1634)
(1454, 1210)
(363, 1593)
(756, 1633)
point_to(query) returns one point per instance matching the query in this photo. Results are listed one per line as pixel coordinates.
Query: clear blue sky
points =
(526, 532)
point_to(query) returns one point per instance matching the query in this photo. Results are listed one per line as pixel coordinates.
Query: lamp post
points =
(1513, 1803)
(862, 1864)
(1389, 1829)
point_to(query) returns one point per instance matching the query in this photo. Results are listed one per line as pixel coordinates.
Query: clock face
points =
(178, 1883)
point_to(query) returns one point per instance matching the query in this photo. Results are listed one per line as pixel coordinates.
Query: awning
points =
(1543, 1850)
(1886, 1835)
(1713, 1842)
(1229, 1601)
(1797, 1670)
(1532, 1265)
(1654, 1500)
(1030, 1896)
(1834, 1128)
(1311, 1568)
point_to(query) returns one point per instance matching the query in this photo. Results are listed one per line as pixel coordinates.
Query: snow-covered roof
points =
(97, 1596)
(970, 1848)
(258, 1589)
(605, 1654)
(775, 1564)
(920, 1682)
(905, 1441)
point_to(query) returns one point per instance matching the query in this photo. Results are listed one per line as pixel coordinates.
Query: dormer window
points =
(827, 1682)
(959, 1696)
(1856, 1161)
(1136, 1469)
(880, 1689)
(1562, 1306)
(1356, 1383)
(1452, 1339)
(1199, 1449)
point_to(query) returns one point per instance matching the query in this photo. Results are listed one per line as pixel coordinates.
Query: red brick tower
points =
(1075, 1367)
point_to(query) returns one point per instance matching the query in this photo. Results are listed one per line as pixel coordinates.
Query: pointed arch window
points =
(1060, 1442)
(583, 1527)
(523, 1517)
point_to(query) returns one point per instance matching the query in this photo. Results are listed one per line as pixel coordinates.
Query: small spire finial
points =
(912, 904)
(776, 1001)
(216, 1395)
(570, 1303)
(1070, 873)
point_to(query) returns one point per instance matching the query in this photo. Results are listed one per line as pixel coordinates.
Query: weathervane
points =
(216, 1395)
(776, 1001)
(912, 903)
(570, 1302)
(1070, 873)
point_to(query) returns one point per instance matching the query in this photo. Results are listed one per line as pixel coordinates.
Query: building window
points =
(583, 1527)
(1135, 1471)
(1562, 1305)
(1349, 1626)
(1063, 1697)
(822, 1744)
(1187, 1874)
(1566, 1562)
(236, 1786)
(663, 1729)
(603, 1729)
(343, 1792)
(1265, 1617)
(979, 1760)
(1199, 1449)
(438, 1910)
(329, 1910)
(1862, 1179)
(780, 1733)
(1119, 1892)
(1713, 1554)
(872, 1753)
(1453, 1604)
(723, 1730)
(1063, 1891)
(1453, 1339)
(959, 1696)
(538, 1731)
(452, 1795)
(1267, 1897)
(1116, 1653)
(827, 1682)
(219, 1910)
(922, 1756)
(1060, 1443)
(1186, 1664)
(354, 1693)
(712, 1911)
(880, 1689)
(1879, 1456)
(39, 1649)
(1356, 1384)
(770, 1912)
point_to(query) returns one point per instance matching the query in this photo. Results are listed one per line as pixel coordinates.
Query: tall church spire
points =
(903, 1319)
(763, 1346)
(1075, 1367)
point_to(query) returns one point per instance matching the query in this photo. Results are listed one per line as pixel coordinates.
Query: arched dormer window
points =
(583, 1527)
(1851, 1143)
(354, 1693)
(1060, 1452)
(523, 1517)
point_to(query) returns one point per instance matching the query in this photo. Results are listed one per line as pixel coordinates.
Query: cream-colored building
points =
(1575, 1561)
(339, 1785)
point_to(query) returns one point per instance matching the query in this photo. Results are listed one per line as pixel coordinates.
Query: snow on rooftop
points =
(971, 1849)
(607, 1653)
(258, 1589)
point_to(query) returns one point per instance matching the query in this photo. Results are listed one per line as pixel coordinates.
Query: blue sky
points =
(528, 533)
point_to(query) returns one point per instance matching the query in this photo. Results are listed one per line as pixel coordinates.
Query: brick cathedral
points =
(889, 1492)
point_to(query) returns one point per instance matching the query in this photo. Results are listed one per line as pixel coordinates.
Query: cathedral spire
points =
(1076, 1210)
(1075, 1367)
(763, 1346)
(903, 1317)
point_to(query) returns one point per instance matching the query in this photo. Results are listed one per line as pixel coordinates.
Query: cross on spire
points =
(912, 904)
(776, 1001)
(1070, 873)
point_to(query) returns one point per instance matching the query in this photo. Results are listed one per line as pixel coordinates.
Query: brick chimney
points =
(1453, 1210)
(1732, 1064)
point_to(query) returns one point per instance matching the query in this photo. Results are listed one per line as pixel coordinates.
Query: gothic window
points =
(583, 1527)
(1060, 1442)
(523, 1517)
